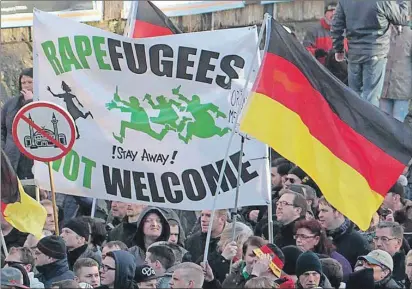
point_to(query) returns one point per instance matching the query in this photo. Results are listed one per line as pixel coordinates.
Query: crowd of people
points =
(365, 44)
(139, 246)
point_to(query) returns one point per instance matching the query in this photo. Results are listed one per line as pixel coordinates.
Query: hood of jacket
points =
(172, 215)
(139, 236)
(125, 269)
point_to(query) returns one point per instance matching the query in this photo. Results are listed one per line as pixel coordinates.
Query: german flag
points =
(146, 20)
(19, 209)
(351, 149)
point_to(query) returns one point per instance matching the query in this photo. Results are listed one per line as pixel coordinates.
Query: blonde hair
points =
(261, 282)
(191, 272)
(409, 255)
(242, 233)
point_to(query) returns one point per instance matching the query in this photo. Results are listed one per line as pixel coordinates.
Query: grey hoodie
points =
(139, 236)
(172, 215)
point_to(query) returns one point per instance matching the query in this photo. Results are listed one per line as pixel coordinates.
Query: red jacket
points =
(319, 37)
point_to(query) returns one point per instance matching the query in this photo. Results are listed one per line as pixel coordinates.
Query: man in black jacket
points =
(367, 29)
(195, 244)
(349, 243)
(126, 230)
(290, 208)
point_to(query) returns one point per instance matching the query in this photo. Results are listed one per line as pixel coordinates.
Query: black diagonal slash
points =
(43, 133)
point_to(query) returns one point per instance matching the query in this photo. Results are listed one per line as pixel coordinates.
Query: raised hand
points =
(147, 97)
(27, 94)
(230, 250)
(253, 215)
(176, 90)
(262, 265)
(111, 105)
(207, 271)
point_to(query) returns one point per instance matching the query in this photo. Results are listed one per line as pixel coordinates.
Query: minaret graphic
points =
(33, 141)
(54, 121)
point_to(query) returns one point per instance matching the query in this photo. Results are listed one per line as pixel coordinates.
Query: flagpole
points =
(132, 11)
(234, 213)
(225, 160)
(93, 208)
(270, 210)
(53, 193)
(37, 193)
(3, 244)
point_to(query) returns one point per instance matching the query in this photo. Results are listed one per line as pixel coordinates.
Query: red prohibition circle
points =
(30, 106)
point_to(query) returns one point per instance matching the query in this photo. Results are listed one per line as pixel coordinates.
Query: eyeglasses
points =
(291, 180)
(384, 239)
(283, 204)
(10, 263)
(303, 237)
(106, 268)
(365, 263)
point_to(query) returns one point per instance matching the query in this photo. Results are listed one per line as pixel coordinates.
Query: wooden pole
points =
(56, 221)
(37, 193)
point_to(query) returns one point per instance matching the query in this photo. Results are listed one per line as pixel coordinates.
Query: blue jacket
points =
(54, 272)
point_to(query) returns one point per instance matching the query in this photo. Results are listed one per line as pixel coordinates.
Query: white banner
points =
(153, 116)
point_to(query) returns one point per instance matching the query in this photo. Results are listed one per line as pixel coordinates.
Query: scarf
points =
(341, 230)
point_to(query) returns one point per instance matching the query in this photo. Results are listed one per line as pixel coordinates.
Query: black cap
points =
(144, 273)
(78, 226)
(52, 246)
(397, 189)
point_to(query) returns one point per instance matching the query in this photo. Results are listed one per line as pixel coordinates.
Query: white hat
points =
(379, 257)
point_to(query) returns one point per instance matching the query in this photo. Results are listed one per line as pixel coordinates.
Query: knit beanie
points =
(52, 246)
(292, 254)
(78, 226)
(308, 261)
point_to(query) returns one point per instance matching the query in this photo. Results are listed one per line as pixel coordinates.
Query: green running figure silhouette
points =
(203, 125)
(167, 115)
(139, 120)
